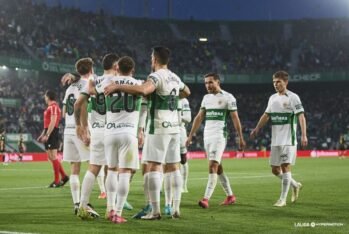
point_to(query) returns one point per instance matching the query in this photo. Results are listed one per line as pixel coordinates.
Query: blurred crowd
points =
(28, 29)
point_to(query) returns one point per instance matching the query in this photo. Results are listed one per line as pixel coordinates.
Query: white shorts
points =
(74, 150)
(121, 150)
(183, 139)
(214, 148)
(283, 154)
(161, 148)
(97, 154)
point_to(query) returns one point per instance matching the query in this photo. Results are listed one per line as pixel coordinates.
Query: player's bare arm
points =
(185, 92)
(146, 88)
(237, 125)
(262, 121)
(196, 124)
(303, 125)
(80, 115)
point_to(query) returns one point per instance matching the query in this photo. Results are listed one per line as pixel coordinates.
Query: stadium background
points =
(246, 43)
(36, 49)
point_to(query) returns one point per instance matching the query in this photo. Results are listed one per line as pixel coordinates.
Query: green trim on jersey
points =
(165, 102)
(86, 94)
(281, 118)
(89, 107)
(151, 105)
(293, 125)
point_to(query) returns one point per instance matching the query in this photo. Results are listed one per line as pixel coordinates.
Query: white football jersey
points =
(97, 108)
(122, 108)
(71, 95)
(283, 111)
(184, 111)
(163, 115)
(217, 108)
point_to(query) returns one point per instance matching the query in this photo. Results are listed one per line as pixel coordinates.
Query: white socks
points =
(111, 186)
(211, 184)
(86, 188)
(122, 191)
(168, 188)
(225, 184)
(285, 185)
(185, 174)
(146, 188)
(154, 186)
(74, 182)
(100, 180)
(177, 183)
(294, 183)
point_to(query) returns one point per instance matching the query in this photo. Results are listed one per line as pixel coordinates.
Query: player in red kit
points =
(50, 137)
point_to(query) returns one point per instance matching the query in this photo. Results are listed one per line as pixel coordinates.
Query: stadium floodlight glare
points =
(203, 39)
(4, 67)
(17, 68)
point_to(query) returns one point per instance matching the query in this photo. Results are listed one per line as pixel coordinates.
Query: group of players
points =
(115, 114)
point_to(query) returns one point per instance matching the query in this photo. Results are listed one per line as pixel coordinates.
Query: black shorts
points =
(53, 140)
(342, 147)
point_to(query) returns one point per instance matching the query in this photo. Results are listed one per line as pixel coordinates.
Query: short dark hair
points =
(126, 64)
(162, 54)
(281, 75)
(51, 95)
(109, 60)
(84, 66)
(214, 75)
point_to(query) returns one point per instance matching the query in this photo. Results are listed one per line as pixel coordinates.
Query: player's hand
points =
(304, 141)
(40, 138)
(67, 79)
(109, 89)
(188, 141)
(44, 139)
(242, 144)
(254, 133)
(79, 132)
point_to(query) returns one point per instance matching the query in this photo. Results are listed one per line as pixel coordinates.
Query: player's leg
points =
(225, 183)
(52, 155)
(288, 154)
(214, 150)
(127, 161)
(111, 149)
(54, 144)
(154, 150)
(101, 184)
(172, 170)
(147, 208)
(184, 167)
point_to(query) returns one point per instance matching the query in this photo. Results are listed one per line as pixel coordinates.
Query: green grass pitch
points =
(26, 205)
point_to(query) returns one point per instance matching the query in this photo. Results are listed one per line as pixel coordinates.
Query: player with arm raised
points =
(120, 138)
(97, 117)
(162, 132)
(75, 151)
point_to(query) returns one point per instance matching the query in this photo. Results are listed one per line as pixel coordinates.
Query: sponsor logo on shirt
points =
(120, 125)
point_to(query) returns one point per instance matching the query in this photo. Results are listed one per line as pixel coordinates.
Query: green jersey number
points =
(172, 100)
(101, 107)
(121, 102)
(70, 104)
